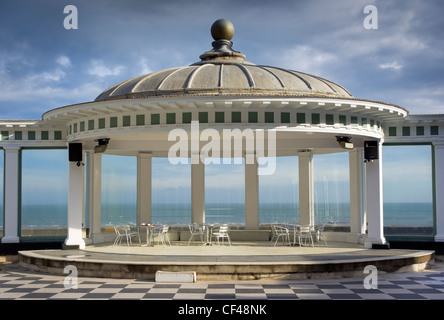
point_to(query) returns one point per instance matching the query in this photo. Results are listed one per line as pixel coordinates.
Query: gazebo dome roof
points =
(224, 71)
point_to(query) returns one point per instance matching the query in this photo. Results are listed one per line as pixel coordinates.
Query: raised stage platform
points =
(241, 261)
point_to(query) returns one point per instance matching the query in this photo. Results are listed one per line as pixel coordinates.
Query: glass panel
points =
(44, 209)
(171, 192)
(279, 193)
(119, 190)
(225, 192)
(2, 158)
(331, 189)
(408, 201)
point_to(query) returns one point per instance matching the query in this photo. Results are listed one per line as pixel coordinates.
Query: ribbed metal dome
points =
(223, 71)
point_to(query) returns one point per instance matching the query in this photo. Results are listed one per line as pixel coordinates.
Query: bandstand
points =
(195, 114)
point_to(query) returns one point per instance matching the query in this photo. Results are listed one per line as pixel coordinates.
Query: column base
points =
(376, 243)
(74, 244)
(10, 239)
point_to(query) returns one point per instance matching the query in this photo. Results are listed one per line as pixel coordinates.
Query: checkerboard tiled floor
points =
(18, 284)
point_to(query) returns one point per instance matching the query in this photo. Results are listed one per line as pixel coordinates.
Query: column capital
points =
(145, 154)
(11, 148)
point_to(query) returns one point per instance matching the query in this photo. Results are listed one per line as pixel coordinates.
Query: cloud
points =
(395, 65)
(64, 61)
(98, 68)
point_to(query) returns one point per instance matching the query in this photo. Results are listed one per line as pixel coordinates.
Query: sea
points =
(395, 214)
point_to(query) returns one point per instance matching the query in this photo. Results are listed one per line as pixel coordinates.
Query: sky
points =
(43, 65)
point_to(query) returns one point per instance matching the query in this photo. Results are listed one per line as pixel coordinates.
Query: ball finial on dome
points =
(222, 29)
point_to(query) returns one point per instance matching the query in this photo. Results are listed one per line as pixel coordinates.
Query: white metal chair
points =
(281, 232)
(127, 232)
(305, 232)
(222, 233)
(162, 234)
(196, 230)
(319, 232)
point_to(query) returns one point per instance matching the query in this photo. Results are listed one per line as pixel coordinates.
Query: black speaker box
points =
(371, 150)
(75, 152)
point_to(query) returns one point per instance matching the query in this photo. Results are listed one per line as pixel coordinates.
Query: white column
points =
(75, 205)
(306, 189)
(144, 165)
(251, 194)
(375, 212)
(356, 173)
(198, 192)
(11, 192)
(94, 192)
(439, 190)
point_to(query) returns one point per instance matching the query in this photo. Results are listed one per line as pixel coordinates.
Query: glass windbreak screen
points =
(171, 192)
(2, 159)
(225, 192)
(119, 191)
(332, 189)
(279, 192)
(44, 192)
(408, 200)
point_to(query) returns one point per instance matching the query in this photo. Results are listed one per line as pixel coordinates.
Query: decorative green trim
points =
(392, 132)
(187, 117)
(31, 135)
(252, 117)
(269, 117)
(406, 131)
(420, 130)
(102, 123)
(140, 120)
(113, 122)
(236, 116)
(203, 117)
(45, 135)
(57, 135)
(300, 117)
(434, 130)
(18, 135)
(329, 119)
(285, 117)
(91, 124)
(126, 121)
(155, 118)
(342, 120)
(171, 118)
(75, 127)
(315, 118)
(219, 117)
(354, 121)
(5, 135)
